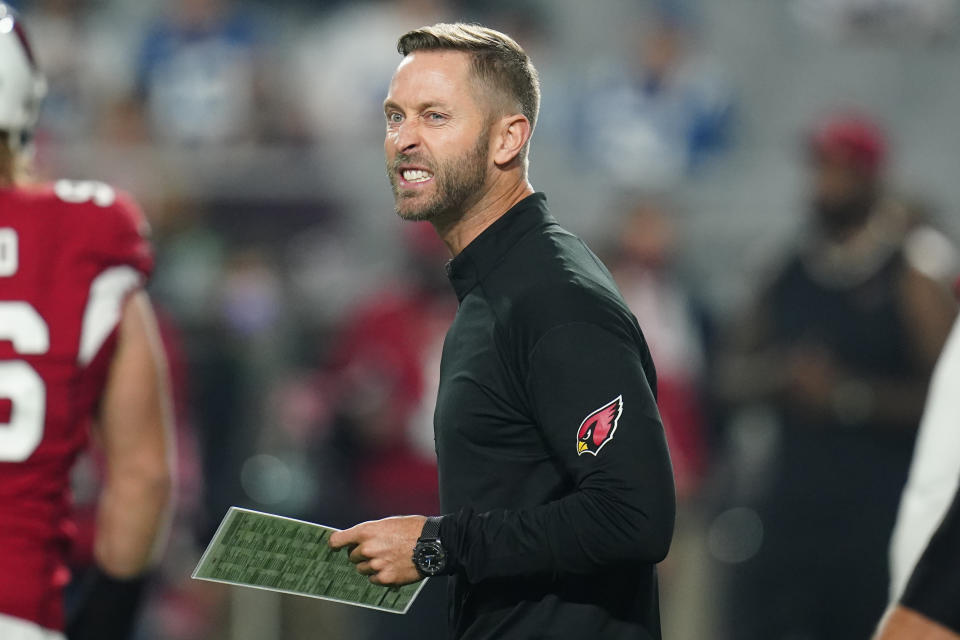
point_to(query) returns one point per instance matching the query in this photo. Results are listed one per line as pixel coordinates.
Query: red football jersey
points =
(70, 254)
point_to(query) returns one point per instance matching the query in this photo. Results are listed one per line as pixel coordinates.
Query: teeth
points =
(416, 175)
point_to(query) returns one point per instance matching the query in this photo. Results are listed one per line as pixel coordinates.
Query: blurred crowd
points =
(304, 322)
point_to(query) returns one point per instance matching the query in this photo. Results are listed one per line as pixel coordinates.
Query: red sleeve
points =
(115, 241)
(125, 233)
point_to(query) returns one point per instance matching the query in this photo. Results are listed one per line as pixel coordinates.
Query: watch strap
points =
(431, 528)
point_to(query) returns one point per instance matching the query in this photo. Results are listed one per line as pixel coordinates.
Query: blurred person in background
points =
(879, 20)
(925, 551)
(246, 352)
(78, 346)
(85, 61)
(934, 471)
(678, 330)
(649, 121)
(341, 65)
(380, 384)
(928, 608)
(840, 344)
(386, 364)
(676, 327)
(197, 75)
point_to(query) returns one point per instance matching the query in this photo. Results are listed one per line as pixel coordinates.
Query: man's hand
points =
(902, 623)
(812, 377)
(383, 549)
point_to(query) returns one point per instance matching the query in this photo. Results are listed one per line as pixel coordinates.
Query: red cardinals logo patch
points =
(597, 428)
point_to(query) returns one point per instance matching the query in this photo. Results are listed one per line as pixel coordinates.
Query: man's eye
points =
(394, 118)
(436, 117)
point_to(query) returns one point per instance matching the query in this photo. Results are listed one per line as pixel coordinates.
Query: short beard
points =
(457, 181)
(840, 219)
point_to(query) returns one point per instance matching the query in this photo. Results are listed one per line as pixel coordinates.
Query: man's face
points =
(437, 143)
(842, 195)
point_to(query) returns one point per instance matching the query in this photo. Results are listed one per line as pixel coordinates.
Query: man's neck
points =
(7, 166)
(478, 217)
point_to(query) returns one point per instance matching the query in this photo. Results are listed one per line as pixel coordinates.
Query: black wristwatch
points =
(429, 556)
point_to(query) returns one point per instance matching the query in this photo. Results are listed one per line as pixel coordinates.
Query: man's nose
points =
(408, 136)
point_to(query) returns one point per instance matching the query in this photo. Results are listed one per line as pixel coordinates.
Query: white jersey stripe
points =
(107, 293)
(16, 629)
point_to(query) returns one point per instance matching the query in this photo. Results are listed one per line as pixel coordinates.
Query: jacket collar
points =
(479, 257)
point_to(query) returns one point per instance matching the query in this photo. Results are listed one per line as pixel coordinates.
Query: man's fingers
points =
(354, 535)
(340, 539)
(379, 552)
(385, 577)
(359, 554)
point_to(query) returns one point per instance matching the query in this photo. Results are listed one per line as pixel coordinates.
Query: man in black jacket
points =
(555, 480)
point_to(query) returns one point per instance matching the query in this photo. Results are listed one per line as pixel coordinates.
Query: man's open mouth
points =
(415, 176)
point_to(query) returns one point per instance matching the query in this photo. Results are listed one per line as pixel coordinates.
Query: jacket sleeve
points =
(592, 401)
(934, 586)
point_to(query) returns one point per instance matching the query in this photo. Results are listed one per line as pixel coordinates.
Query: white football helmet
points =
(22, 86)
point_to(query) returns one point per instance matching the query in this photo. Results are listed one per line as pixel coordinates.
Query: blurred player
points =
(925, 550)
(840, 344)
(78, 341)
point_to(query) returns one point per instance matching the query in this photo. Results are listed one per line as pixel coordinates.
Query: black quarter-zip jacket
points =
(554, 472)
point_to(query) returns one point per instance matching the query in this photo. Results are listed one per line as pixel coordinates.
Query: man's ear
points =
(513, 132)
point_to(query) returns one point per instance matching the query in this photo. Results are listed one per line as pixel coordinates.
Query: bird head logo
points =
(597, 428)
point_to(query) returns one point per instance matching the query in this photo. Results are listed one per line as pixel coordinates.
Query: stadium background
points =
(302, 319)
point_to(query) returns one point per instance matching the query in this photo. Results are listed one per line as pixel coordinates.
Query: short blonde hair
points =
(498, 61)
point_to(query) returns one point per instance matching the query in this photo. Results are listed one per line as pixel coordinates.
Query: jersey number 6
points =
(19, 382)
(22, 325)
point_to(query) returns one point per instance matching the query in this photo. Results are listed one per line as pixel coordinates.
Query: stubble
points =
(456, 182)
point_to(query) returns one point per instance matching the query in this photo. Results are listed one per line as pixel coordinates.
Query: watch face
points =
(429, 557)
